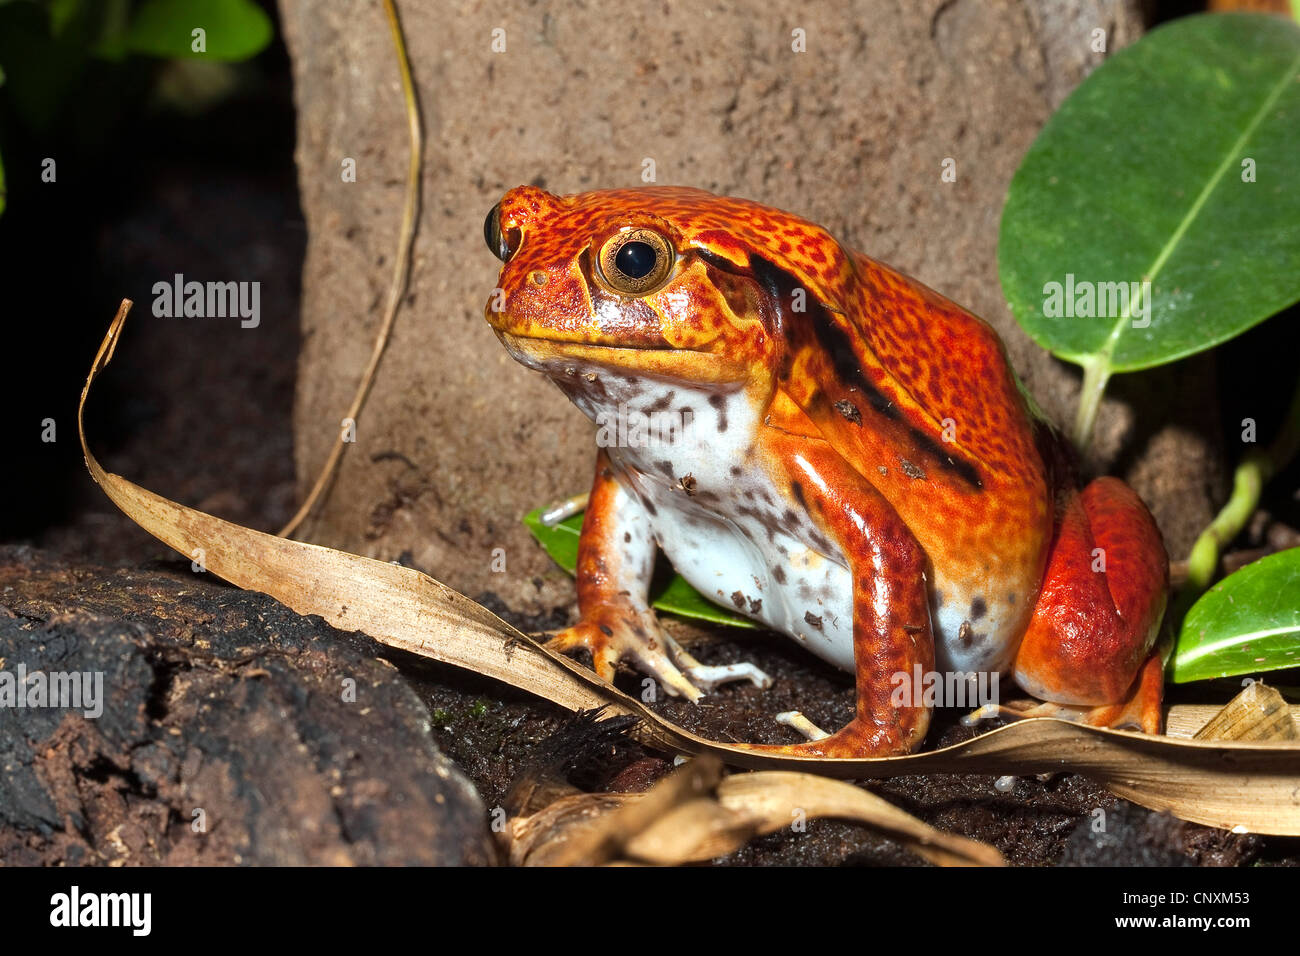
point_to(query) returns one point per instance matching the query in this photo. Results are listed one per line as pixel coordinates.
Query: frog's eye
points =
(492, 234)
(636, 262)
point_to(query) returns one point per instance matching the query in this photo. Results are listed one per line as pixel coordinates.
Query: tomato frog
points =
(847, 458)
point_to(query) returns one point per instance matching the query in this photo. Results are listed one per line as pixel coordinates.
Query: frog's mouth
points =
(561, 357)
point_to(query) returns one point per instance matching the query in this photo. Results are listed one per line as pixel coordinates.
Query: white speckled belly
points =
(737, 538)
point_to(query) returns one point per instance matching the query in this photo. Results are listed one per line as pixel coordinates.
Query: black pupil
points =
(492, 232)
(635, 259)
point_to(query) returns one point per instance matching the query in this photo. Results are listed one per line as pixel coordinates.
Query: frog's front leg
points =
(616, 554)
(892, 632)
(1088, 650)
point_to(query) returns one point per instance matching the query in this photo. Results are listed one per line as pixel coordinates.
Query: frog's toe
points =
(611, 638)
(797, 721)
(710, 677)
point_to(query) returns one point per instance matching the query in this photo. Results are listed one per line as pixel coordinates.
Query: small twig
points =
(401, 274)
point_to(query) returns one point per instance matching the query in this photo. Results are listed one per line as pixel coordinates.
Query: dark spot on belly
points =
(755, 605)
(778, 572)
(719, 403)
(911, 470)
(1011, 598)
(627, 537)
(968, 637)
(662, 402)
(735, 471)
(812, 620)
(849, 411)
(649, 506)
(978, 609)
(738, 599)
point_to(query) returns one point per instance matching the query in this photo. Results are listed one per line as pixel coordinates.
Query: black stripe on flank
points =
(834, 342)
(962, 468)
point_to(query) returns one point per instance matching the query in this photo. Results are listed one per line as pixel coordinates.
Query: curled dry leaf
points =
(1199, 780)
(1257, 713)
(696, 814)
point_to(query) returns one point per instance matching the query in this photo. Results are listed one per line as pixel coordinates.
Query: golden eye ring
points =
(636, 262)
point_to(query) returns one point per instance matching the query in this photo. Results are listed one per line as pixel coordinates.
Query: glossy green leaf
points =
(1247, 623)
(232, 29)
(1143, 174)
(674, 595)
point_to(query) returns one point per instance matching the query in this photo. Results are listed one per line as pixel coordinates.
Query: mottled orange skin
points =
(892, 418)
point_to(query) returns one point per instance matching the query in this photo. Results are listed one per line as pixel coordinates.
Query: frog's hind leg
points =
(891, 613)
(1089, 649)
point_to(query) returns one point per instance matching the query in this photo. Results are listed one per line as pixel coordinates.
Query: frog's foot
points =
(711, 677)
(1141, 710)
(613, 633)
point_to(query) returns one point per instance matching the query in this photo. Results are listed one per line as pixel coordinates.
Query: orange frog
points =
(828, 446)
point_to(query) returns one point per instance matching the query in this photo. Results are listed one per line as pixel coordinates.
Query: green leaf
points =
(1247, 623)
(41, 72)
(674, 596)
(232, 29)
(1141, 176)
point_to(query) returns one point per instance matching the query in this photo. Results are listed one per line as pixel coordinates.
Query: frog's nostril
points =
(492, 234)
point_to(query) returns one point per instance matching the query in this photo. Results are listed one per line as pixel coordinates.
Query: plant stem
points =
(1247, 482)
(1096, 373)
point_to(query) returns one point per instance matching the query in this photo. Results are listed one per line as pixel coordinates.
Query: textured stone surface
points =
(457, 441)
(220, 701)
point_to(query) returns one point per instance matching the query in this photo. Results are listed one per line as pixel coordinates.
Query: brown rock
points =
(224, 738)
